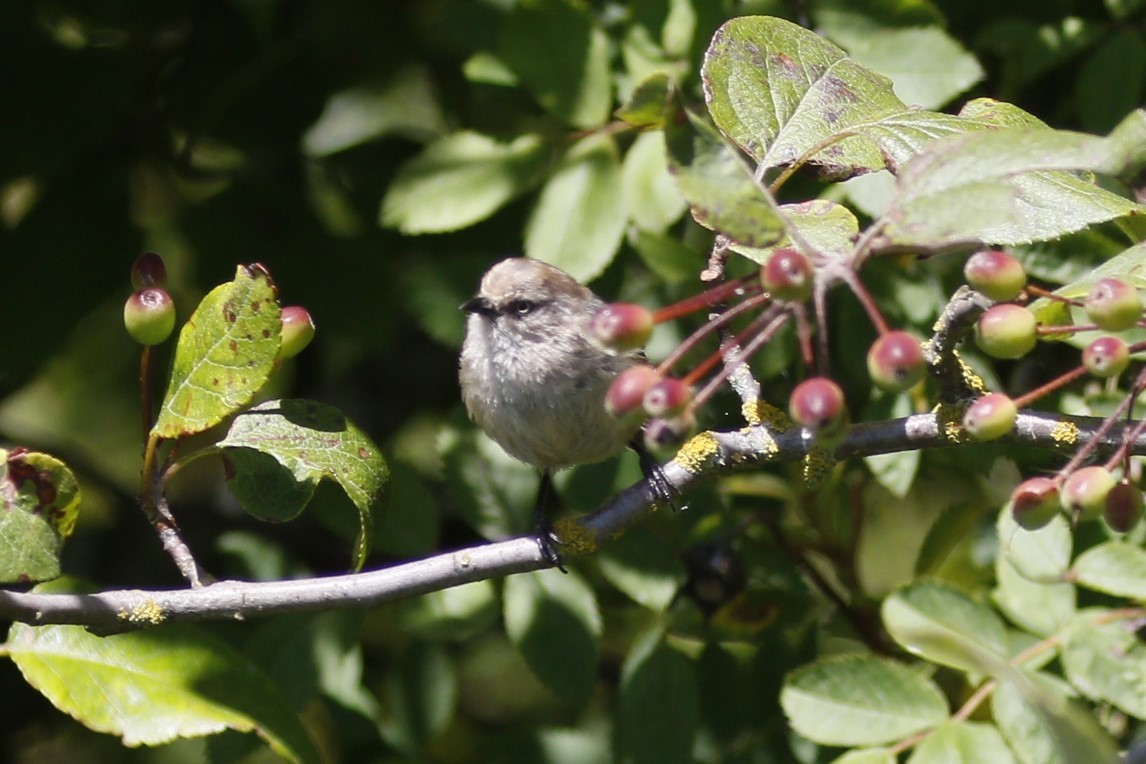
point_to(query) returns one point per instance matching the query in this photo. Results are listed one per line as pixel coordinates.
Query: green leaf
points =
(281, 449)
(460, 180)
(1112, 80)
(39, 504)
(651, 196)
(927, 67)
(226, 352)
(1116, 567)
(860, 700)
(406, 104)
(947, 627)
(580, 216)
(552, 619)
(561, 56)
(1129, 265)
(666, 255)
(455, 614)
(959, 742)
(1036, 716)
(1028, 571)
(867, 756)
(644, 567)
(421, 694)
(153, 686)
(777, 90)
(827, 227)
(894, 471)
(1011, 186)
(717, 184)
(658, 718)
(493, 492)
(1106, 661)
(648, 103)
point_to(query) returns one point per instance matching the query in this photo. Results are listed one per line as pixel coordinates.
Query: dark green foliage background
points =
(182, 127)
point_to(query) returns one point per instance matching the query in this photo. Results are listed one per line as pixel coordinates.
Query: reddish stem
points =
(694, 339)
(707, 298)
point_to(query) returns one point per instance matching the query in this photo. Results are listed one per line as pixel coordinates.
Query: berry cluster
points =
(1007, 330)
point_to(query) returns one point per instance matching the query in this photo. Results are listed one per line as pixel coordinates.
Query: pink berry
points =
(895, 361)
(627, 393)
(1113, 305)
(667, 398)
(1034, 503)
(1006, 331)
(621, 326)
(1084, 492)
(995, 274)
(148, 270)
(297, 331)
(1106, 357)
(149, 316)
(787, 275)
(818, 405)
(1123, 507)
(991, 416)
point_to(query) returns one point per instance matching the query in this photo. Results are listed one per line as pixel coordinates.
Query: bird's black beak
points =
(480, 305)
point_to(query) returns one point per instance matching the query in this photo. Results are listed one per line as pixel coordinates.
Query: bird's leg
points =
(543, 525)
(663, 490)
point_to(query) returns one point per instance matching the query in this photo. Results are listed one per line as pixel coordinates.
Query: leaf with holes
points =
(226, 352)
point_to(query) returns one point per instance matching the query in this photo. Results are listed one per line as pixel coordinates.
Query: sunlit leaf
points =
(860, 700)
(1116, 567)
(153, 686)
(1106, 661)
(946, 626)
(225, 353)
(962, 742)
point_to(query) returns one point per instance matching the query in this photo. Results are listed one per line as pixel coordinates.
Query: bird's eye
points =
(521, 307)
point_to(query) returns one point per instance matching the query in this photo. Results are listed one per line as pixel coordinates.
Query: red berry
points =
(1084, 492)
(297, 332)
(995, 274)
(1034, 503)
(627, 393)
(149, 316)
(1114, 305)
(668, 397)
(621, 326)
(1006, 331)
(895, 361)
(990, 417)
(787, 275)
(148, 270)
(1123, 507)
(1106, 357)
(818, 405)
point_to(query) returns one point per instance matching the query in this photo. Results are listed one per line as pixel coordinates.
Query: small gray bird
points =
(533, 381)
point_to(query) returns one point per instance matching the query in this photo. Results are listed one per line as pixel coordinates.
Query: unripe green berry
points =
(991, 416)
(1034, 503)
(1006, 331)
(297, 332)
(788, 275)
(1084, 492)
(1123, 508)
(1113, 305)
(149, 316)
(1106, 357)
(620, 327)
(895, 361)
(817, 404)
(667, 398)
(627, 392)
(995, 274)
(148, 270)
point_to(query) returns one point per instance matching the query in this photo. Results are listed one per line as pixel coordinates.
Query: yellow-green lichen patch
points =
(697, 452)
(146, 613)
(818, 464)
(972, 380)
(949, 418)
(574, 538)
(763, 413)
(1065, 434)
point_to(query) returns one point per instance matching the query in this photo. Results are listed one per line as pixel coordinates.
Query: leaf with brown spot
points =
(225, 354)
(39, 502)
(279, 451)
